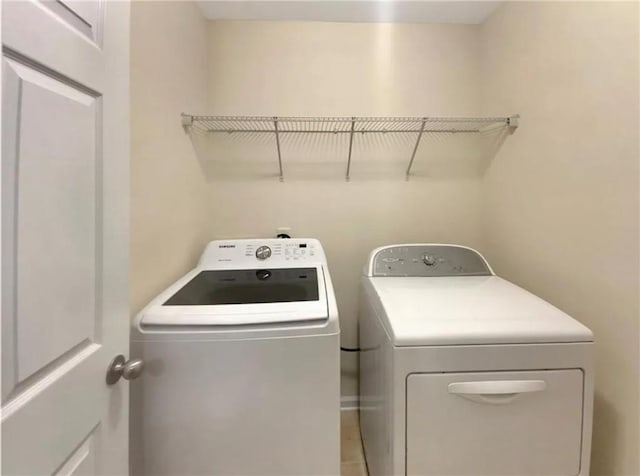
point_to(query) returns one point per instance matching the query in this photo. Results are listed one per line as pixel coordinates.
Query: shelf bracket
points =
(275, 127)
(186, 120)
(353, 127)
(415, 147)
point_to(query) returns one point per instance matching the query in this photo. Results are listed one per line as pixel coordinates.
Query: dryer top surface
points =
(468, 310)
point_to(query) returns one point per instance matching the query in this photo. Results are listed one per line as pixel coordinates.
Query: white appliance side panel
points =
(376, 390)
(264, 406)
(495, 423)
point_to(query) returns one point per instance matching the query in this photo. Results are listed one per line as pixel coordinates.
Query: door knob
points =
(129, 369)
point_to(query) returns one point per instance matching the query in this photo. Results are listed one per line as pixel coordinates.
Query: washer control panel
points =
(266, 252)
(283, 249)
(427, 260)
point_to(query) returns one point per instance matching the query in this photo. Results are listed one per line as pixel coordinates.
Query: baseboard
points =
(349, 402)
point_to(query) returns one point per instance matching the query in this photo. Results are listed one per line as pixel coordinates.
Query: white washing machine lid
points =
(241, 297)
(468, 310)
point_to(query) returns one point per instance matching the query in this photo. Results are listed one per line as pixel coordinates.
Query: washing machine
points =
(465, 373)
(242, 366)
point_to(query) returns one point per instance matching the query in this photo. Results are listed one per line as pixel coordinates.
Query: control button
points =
(263, 252)
(429, 260)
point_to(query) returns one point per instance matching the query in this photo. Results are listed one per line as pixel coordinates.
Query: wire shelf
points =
(344, 125)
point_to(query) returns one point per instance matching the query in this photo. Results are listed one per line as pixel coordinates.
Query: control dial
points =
(429, 260)
(263, 252)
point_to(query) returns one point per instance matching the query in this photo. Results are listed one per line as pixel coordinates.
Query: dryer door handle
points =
(496, 392)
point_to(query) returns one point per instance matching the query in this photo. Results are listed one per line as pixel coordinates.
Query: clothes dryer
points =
(464, 373)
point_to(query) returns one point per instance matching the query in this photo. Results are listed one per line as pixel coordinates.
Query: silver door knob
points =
(129, 369)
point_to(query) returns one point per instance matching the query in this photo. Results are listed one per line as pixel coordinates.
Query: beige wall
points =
(556, 211)
(169, 223)
(560, 208)
(306, 69)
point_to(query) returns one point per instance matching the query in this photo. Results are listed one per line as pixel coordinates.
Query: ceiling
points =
(416, 11)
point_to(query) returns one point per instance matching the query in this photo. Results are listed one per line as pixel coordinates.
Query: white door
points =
(65, 169)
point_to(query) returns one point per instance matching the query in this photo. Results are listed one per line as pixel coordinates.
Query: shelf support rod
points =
(275, 125)
(353, 127)
(415, 147)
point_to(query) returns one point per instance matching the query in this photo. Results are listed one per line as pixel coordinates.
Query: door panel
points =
(64, 236)
(55, 170)
(82, 461)
(46, 422)
(49, 39)
(82, 15)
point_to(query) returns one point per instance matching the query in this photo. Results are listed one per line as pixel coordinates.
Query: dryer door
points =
(494, 423)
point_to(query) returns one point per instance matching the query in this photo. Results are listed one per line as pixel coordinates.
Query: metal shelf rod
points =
(348, 119)
(275, 126)
(415, 148)
(353, 125)
(304, 131)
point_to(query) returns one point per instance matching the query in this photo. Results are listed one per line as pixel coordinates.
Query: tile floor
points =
(351, 453)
